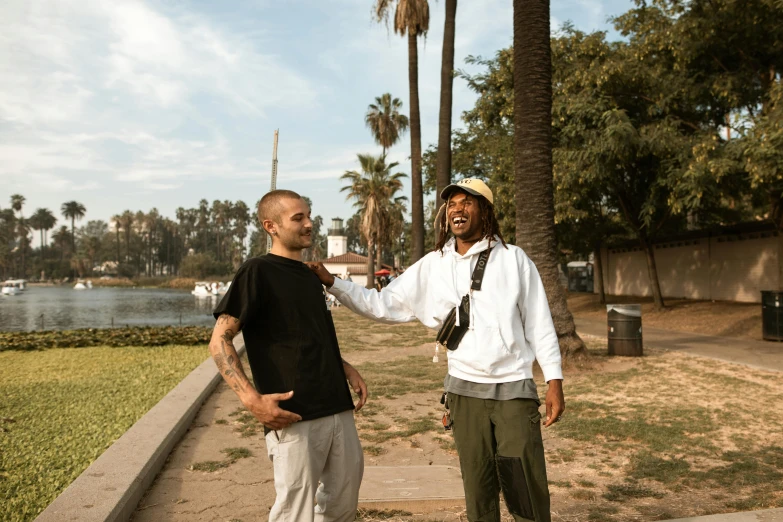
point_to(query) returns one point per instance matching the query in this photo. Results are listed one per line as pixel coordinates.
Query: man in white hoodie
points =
(491, 394)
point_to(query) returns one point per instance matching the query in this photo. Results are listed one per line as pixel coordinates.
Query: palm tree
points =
(443, 164)
(49, 220)
(36, 223)
(61, 238)
(73, 210)
(17, 202)
(535, 209)
(126, 221)
(374, 190)
(240, 214)
(203, 221)
(42, 220)
(384, 120)
(412, 18)
(117, 220)
(151, 226)
(23, 232)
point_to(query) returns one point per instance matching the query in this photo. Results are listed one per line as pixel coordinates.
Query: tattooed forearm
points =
(225, 355)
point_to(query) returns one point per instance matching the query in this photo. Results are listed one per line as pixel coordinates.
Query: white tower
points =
(337, 240)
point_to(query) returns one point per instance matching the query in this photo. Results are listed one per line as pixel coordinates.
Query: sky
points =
(127, 104)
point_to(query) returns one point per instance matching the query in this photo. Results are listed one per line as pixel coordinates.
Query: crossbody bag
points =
(452, 331)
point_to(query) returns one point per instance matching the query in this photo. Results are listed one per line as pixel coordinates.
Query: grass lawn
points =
(61, 408)
(649, 438)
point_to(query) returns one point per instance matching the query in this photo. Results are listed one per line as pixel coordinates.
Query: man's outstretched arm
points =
(389, 306)
(264, 407)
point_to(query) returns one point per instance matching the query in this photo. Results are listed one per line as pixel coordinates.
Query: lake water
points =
(64, 308)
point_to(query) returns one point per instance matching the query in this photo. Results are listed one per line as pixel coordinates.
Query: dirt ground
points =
(721, 318)
(663, 436)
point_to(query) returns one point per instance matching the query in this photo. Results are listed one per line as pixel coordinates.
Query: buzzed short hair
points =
(269, 206)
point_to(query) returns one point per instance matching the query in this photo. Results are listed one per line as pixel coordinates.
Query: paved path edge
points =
(112, 486)
(765, 515)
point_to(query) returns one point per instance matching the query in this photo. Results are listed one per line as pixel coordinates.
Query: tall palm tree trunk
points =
(370, 264)
(443, 166)
(41, 231)
(535, 224)
(127, 244)
(23, 244)
(417, 196)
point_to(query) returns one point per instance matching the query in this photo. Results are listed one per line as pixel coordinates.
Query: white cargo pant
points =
(326, 450)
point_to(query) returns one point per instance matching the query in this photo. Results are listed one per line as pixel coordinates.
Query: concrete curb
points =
(111, 488)
(765, 515)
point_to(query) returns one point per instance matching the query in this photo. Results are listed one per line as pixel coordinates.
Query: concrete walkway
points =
(244, 490)
(764, 355)
(766, 515)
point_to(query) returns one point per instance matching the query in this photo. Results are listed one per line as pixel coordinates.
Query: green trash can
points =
(772, 315)
(624, 329)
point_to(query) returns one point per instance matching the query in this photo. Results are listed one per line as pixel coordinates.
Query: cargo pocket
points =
(535, 429)
(514, 486)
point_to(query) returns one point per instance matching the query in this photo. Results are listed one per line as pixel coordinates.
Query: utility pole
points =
(274, 184)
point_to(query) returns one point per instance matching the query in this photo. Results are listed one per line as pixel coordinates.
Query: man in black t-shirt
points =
(301, 392)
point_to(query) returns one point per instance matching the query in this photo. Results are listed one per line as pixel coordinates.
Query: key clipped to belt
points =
(446, 420)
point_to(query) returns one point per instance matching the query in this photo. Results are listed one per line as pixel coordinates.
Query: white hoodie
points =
(510, 320)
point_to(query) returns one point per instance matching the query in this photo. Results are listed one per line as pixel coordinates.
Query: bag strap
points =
(478, 272)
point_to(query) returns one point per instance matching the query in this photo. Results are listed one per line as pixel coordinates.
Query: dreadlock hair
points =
(489, 224)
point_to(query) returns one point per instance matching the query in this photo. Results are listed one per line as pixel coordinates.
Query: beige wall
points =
(726, 268)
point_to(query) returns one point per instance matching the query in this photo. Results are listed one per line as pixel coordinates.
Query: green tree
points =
(127, 219)
(62, 240)
(241, 219)
(385, 121)
(374, 191)
(412, 19)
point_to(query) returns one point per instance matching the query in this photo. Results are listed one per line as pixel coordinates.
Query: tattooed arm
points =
(264, 407)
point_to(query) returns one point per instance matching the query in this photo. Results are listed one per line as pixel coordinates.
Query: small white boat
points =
(205, 289)
(14, 286)
(82, 285)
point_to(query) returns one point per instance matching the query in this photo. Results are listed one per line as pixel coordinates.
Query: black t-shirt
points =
(289, 334)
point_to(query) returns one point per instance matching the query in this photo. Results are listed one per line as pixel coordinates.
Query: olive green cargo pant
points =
(500, 449)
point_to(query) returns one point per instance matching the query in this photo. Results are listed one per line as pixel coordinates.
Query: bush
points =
(113, 282)
(134, 336)
(180, 283)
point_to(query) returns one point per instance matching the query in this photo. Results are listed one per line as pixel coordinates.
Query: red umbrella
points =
(382, 272)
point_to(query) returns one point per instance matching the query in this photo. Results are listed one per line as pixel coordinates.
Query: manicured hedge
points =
(61, 408)
(128, 336)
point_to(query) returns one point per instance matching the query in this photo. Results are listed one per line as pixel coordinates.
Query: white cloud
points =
(125, 90)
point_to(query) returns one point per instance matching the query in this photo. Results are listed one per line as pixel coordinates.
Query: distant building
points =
(337, 239)
(342, 263)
